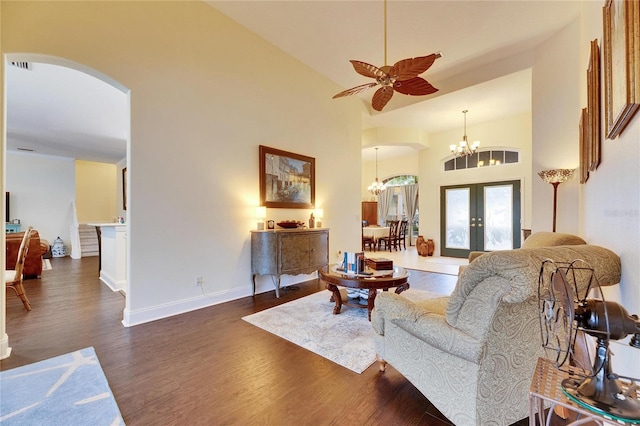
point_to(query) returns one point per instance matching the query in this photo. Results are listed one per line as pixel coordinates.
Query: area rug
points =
(69, 389)
(346, 338)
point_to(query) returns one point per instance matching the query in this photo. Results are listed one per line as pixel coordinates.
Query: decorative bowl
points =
(288, 225)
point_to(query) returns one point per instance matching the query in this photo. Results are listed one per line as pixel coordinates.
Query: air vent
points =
(22, 65)
(26, 149)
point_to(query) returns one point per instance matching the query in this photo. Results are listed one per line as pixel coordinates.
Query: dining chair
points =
(392, 239)
(367, 241)
(402, 235)
(13, 278)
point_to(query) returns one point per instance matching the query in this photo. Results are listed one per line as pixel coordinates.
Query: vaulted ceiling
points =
(487, 46)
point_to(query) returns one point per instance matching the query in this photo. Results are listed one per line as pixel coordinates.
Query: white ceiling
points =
(55, 110)
(487, 49)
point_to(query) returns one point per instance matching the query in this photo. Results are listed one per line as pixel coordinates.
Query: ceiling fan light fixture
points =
(402, 77)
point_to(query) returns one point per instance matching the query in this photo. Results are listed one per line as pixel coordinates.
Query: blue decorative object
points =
(58, 249)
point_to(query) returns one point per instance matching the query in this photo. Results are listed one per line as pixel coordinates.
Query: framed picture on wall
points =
(584, 146)
(621, 22)
(124, 188)
(287, 180)
(593, 106)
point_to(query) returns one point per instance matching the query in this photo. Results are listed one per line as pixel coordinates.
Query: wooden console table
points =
(288, 252)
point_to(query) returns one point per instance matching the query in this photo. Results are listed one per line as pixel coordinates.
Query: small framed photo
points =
(287, 180)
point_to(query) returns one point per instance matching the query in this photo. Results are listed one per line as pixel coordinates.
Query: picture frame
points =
(621, 24)
(287, 180)
(124, 188)
(593, 106)
(584, 146)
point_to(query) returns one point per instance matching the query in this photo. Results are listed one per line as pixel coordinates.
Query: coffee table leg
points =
(335, 298)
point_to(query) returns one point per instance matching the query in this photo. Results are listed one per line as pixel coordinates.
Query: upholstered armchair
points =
(473, 354)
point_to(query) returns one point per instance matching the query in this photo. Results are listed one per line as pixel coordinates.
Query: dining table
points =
(375, 232)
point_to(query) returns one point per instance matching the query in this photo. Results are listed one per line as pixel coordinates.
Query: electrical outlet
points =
(199, 281)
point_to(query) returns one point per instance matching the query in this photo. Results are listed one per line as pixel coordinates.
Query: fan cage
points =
(559, 328)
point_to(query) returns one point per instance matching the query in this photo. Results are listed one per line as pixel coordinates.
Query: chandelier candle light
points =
(463, 148)
(555, 177)
(376, 187)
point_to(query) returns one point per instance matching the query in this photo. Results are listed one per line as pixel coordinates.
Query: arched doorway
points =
(400, 201)
(24, 125)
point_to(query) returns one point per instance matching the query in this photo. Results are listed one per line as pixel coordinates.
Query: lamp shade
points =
(556, 175)
(261, 212)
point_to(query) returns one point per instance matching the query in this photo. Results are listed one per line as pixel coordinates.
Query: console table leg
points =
(278, 287)
(254, 284)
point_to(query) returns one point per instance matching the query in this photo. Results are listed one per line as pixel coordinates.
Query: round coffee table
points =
(378, 280)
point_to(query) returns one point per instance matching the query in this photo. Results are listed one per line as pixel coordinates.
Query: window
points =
(482, 159)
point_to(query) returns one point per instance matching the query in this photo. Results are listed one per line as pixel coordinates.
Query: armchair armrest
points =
(425, 320)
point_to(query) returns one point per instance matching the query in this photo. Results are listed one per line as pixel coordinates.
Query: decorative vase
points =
(430, 247)
(421, 246)
(58, 249)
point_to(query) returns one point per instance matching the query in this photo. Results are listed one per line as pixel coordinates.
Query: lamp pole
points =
(555, 202)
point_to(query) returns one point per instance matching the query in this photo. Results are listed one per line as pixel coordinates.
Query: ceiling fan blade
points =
(355, 90)
(381, 97)
(412, 67)
(367, 70)
(416, 86)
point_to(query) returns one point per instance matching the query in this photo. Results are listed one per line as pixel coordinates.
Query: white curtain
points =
(410, 201)
(384, 204)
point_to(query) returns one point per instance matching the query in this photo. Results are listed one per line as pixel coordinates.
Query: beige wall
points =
(405, 165)
(204, 93)
(509, 133)
(609, 202)
(96, 192)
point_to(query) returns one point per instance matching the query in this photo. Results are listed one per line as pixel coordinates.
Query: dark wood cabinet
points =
(288, 252)
(370, 212)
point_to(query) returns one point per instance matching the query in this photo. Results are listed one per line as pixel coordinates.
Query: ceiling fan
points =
(401, 76)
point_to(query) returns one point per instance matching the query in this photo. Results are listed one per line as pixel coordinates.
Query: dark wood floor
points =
(209, 366)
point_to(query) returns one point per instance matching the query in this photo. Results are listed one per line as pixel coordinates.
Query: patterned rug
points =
(346, 338)
(70, 389)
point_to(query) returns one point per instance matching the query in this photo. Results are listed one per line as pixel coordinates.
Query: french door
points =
(479, 217)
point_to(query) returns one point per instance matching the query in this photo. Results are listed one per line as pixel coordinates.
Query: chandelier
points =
(463, 148)
(376, 187)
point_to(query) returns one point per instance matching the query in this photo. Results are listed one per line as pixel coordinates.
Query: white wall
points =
(42, 189)
(205, 93)
(610, 200)
(509, 133)
(557, 84)
(605, 210)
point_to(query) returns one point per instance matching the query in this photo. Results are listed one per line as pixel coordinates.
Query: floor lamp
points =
(555, 177)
